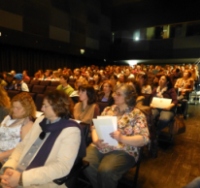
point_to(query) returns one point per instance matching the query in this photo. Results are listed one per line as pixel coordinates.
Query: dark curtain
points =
(18, 59)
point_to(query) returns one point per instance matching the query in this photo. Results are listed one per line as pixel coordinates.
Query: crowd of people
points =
(37, 146)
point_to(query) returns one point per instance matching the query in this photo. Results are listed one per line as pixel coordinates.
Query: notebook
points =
(161, 102)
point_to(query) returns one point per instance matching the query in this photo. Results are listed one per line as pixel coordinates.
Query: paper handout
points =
(105, 125)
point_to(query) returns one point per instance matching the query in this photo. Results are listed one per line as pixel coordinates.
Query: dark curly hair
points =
(61, 103)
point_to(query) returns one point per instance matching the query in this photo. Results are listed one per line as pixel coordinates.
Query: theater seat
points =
(45, 82)
(38, 101)
(12, 93)
(38, 88)
(50, 88)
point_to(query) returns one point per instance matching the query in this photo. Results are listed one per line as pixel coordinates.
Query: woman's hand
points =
(100, 144)
(116, 135)
(167, 108)
(152, 106)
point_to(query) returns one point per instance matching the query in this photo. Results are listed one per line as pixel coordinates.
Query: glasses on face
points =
(45, 106)
(118, 94)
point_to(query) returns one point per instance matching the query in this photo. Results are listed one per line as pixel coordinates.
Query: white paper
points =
(161, 102)
(104, 126)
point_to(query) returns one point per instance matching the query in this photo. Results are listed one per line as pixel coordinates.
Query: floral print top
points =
(130, 122)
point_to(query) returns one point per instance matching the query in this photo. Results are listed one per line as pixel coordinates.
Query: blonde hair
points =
(4, 99)
(27, 102)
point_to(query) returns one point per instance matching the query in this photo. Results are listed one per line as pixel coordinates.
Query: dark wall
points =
(147, 13)
(172, 48)
(62, 26)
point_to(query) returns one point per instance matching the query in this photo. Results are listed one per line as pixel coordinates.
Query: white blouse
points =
(10, 132)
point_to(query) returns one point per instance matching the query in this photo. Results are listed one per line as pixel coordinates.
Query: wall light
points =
(82, 51)
(137, 38)
(132, 62)
(136, 35)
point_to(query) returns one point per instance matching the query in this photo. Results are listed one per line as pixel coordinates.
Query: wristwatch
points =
(20, 183)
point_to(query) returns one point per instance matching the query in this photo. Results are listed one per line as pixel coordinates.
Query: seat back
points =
(102, 105)
(12, 93)
(45, 82)
(38, 88)
(55, 83)
(38, 101)
(50, 88)
(34, 82)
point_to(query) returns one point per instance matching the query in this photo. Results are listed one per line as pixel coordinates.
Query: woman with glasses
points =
(108, 163)
(50, 149)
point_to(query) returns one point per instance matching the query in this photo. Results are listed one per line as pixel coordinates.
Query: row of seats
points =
(43, 82)
(41, 88)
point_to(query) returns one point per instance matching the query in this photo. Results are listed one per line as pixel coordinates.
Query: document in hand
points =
(105, 125)
(161, 102)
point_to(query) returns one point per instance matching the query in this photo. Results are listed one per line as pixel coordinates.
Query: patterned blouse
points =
(131, 122)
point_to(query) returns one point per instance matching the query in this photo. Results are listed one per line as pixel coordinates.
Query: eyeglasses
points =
(118, 94)
(45, 106)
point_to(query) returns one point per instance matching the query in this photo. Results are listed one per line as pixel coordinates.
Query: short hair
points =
(129, 93)
(61, 104)
(109, 83)
(65, 76)
(27, 102)
(90, 91)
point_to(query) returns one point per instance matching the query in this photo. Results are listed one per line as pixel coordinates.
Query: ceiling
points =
(131, 14)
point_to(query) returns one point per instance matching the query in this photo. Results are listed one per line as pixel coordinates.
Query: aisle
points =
(178, 164)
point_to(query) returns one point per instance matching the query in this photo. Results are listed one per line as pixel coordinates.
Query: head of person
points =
(187, 74)
(127, 72)
(64, 78)
(121, 78)
(107, 86)
(87, 93)
(57, 104)
(113, 79)
(25, 73)
(80, 81)
(125, 95)
(142, 79)
(22, 106)
(97, 78)
(9, 77)
(18, 77)
(165, 81)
